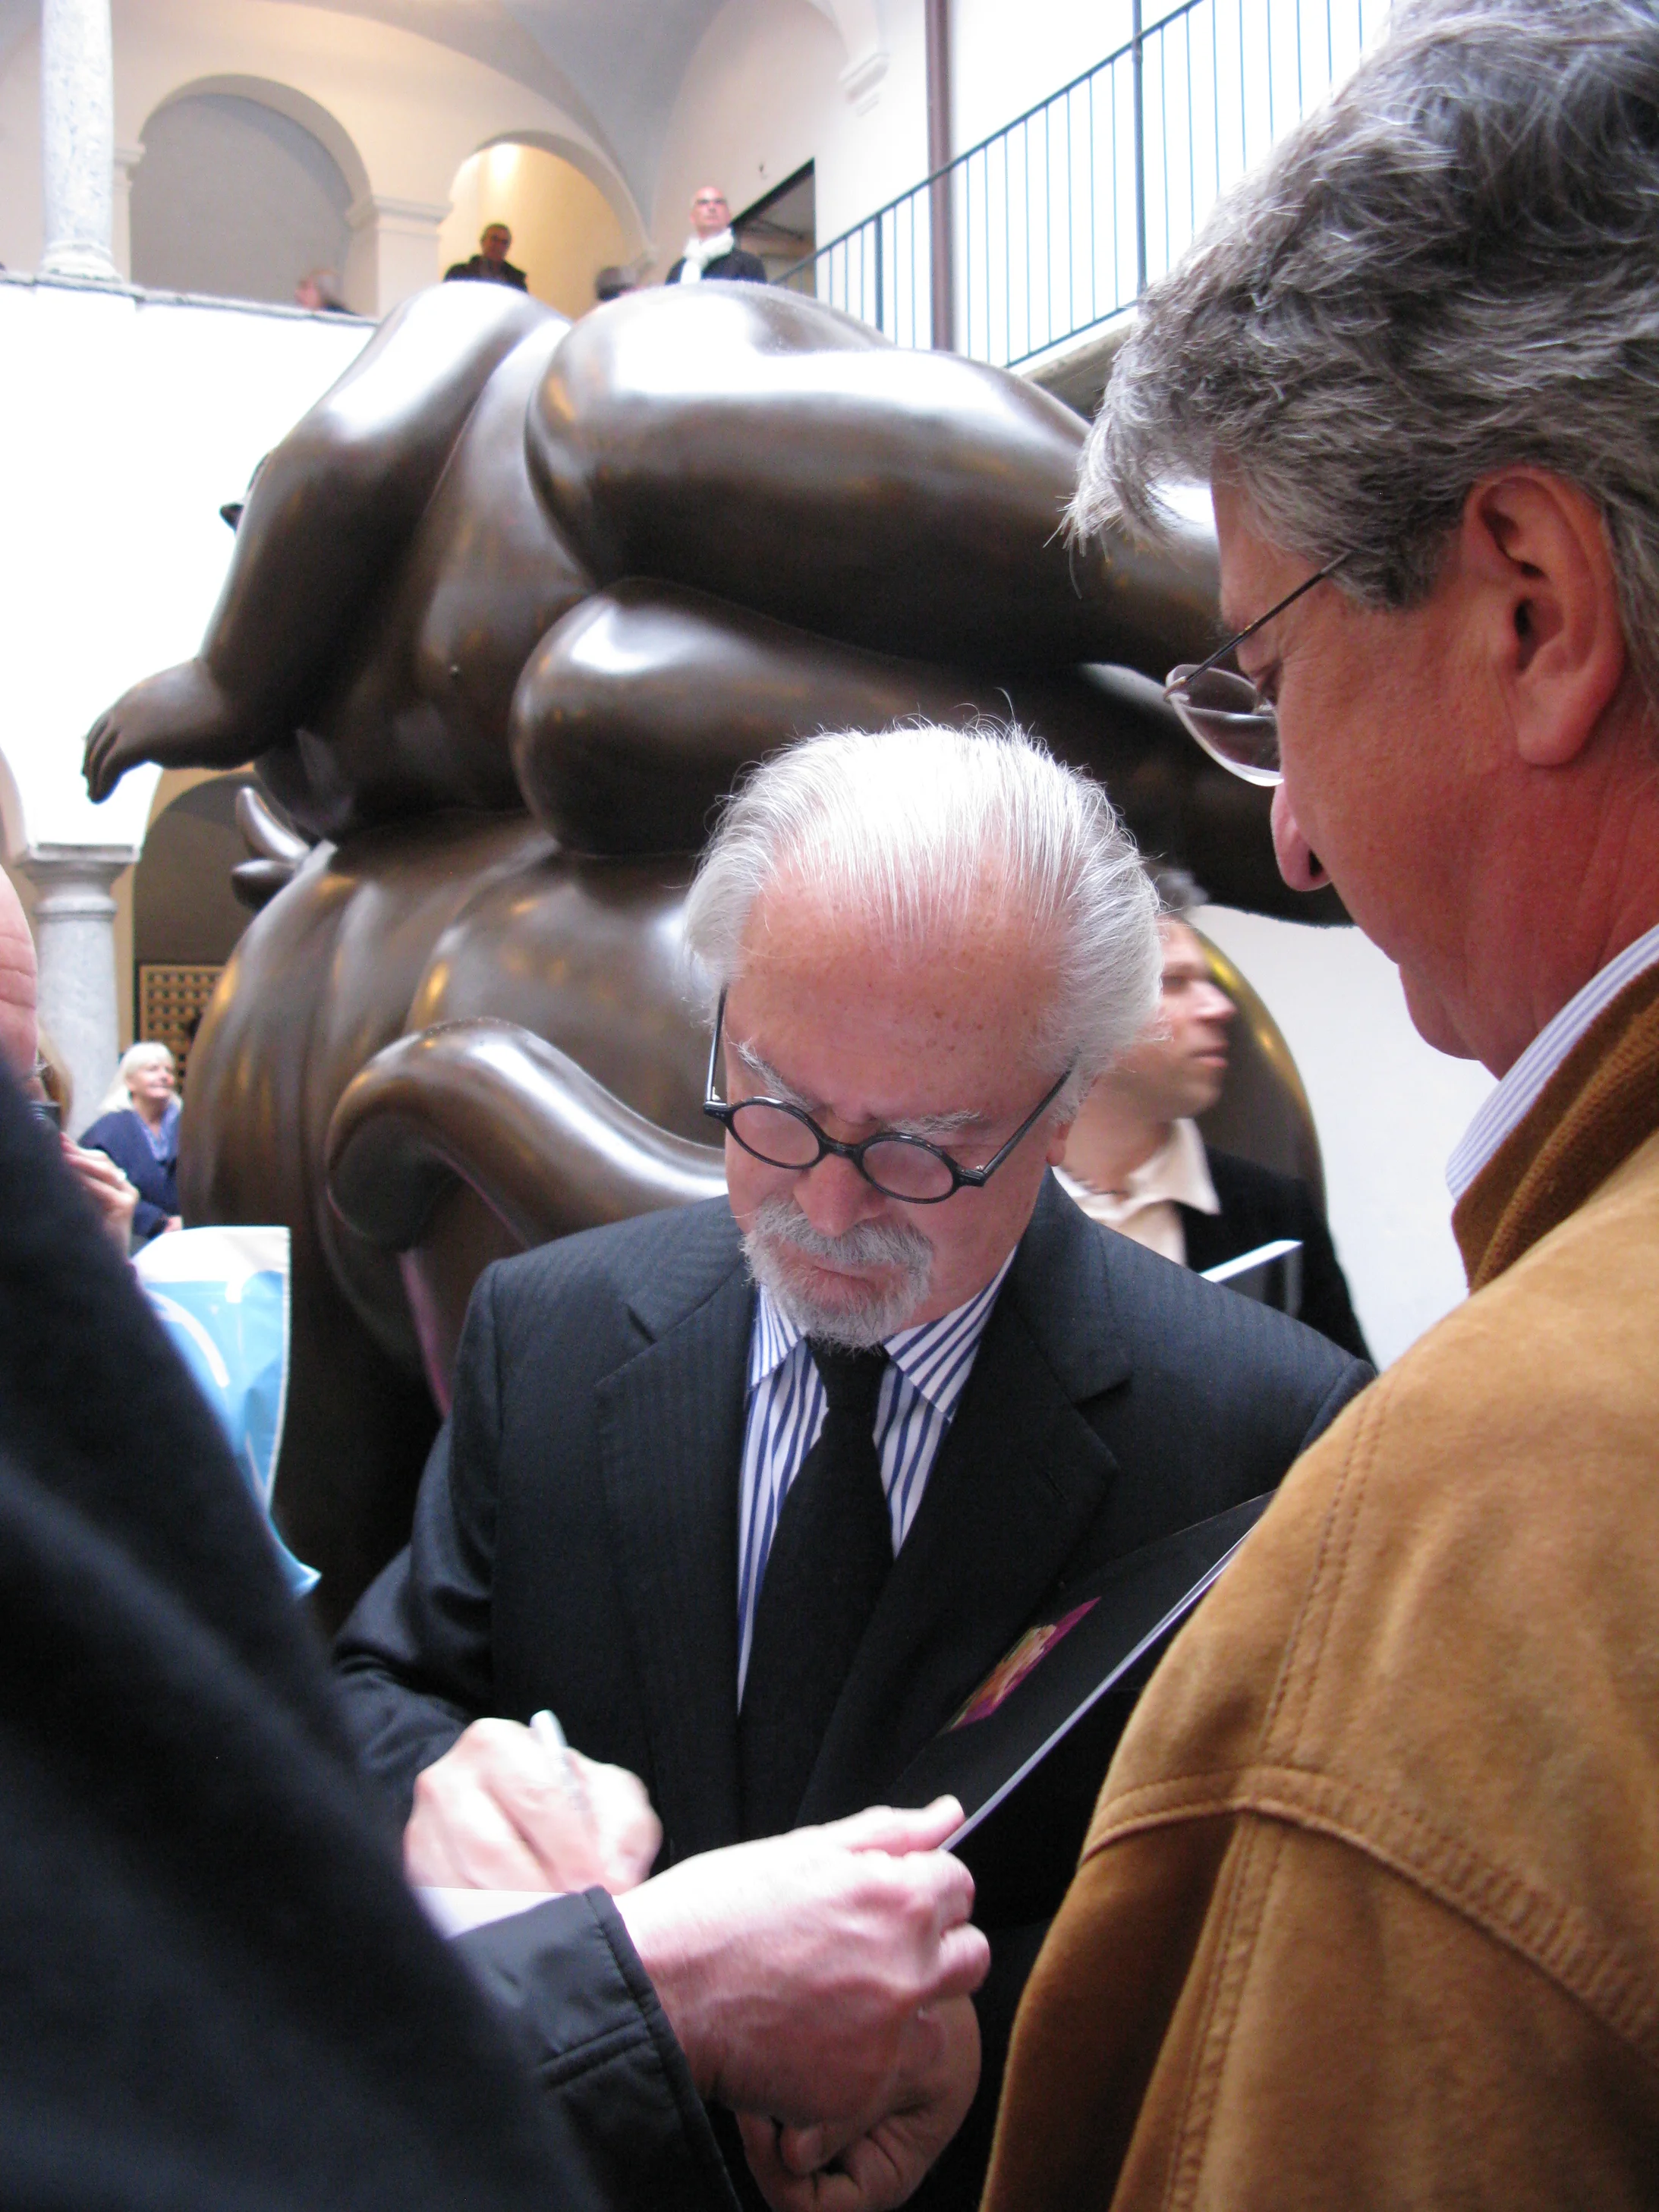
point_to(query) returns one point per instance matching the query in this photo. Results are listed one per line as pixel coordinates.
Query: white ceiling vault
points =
(615, 66)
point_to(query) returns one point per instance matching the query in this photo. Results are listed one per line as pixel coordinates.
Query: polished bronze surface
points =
(435, 530)
(491, 1109)
(591, 571)
(767, 450)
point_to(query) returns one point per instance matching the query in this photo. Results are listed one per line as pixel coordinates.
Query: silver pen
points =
(545, 1727)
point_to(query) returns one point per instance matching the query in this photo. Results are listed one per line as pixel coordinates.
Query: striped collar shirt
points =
(1519, 1091)
(927, 1371)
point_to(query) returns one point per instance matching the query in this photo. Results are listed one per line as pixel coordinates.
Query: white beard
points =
(865, 1314)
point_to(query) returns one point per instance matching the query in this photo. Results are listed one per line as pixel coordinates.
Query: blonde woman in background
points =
(137, 1128)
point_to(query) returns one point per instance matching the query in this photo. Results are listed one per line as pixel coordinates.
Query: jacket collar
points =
(687, 1269)
(1599, 1105)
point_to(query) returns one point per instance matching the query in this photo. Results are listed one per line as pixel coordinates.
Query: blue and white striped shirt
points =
(1515, 1098)
(928, 1371)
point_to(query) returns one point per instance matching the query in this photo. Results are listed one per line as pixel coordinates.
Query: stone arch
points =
(286, 100)
(605, 180)
(863, 35)
(568, 216)
(300, 174)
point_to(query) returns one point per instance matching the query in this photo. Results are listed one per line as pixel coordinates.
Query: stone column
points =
(393, 252)
(74, 945)
(77, 138)
(127, 159)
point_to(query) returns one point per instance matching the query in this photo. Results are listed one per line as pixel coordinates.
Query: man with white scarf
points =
(712, 250)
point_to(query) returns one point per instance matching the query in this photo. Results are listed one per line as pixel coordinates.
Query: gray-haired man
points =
(921, 946)
(1369, 1910)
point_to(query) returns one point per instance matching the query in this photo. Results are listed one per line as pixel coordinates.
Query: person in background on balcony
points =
(711, 250)
(1136, 1162)
(319, 290)
(489, 264)
(138, 1129)
(1368, 1912)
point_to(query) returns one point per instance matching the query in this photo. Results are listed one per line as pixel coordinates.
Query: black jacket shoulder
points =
(734, 268)
(1257, 1206)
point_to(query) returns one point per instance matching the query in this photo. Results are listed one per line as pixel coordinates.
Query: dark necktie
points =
(831, 1552)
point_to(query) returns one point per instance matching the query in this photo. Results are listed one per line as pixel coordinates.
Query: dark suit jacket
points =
(575, 1540)
(477, 271)
(1258, 1205)
(215, 1989)
(734, 268)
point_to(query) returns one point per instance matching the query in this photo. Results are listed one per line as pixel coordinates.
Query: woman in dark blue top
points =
(142, 1137)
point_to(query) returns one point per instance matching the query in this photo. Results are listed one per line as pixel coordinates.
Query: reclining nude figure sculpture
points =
(509, 612)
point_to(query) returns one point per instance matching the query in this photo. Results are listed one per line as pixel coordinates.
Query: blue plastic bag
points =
(222, 1295)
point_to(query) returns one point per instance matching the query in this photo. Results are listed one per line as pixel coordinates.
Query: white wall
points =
(1006, 59)
(128, 422)
(1388, 1106)
(758, 101)
(763, 94)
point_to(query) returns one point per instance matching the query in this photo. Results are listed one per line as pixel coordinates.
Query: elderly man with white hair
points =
(753, 1494)
(1370, 1910)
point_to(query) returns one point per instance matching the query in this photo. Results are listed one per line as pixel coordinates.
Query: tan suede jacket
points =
(1368, 1912)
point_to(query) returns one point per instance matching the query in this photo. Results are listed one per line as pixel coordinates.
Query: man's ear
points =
(1057, 1137)
(1537, 548)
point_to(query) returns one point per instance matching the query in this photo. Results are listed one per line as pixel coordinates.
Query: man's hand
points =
(819, 2170)
(794, 1971)
(496, 1812)
(114, 1197)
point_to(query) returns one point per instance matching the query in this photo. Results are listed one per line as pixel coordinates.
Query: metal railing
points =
(1053, 224)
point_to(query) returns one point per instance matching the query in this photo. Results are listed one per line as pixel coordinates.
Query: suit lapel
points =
(1019, 1479)
(671, 1428)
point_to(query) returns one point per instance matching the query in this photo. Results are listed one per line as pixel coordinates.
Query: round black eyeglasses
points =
(907, 1168)
(1237, 725)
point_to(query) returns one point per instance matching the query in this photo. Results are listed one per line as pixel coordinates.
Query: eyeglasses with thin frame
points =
(905, 1168)
(1225, 712)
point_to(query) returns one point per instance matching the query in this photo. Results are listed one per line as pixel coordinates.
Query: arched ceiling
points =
(615, 66)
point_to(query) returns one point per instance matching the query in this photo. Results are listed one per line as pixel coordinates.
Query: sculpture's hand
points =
(495, 1812)
(794, 1971)
(183, 718)
(819, 2170)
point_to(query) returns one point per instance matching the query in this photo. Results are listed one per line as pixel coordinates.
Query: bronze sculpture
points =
(508, 613)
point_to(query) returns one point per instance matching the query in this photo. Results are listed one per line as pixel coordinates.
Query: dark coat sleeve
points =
(595, 2034)
(738, 268)
(413, 1664)
(121, 1136)
(429, 1648)
(1258, 1205)
(213, 1981)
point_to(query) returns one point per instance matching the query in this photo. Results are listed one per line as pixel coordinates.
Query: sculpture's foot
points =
(183, 718)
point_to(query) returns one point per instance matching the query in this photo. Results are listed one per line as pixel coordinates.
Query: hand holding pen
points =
(510, 1807)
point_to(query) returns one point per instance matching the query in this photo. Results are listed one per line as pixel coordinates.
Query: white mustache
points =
(862, 1313)
(865, 1244)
